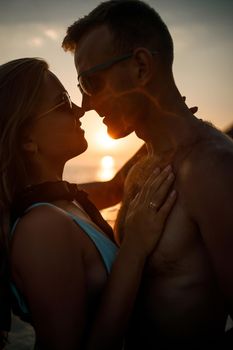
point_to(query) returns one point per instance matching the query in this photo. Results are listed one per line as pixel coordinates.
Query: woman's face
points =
(55, 130)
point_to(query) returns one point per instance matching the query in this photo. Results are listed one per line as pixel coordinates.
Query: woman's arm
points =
(108, 193)
(47, 262)
(143, 228)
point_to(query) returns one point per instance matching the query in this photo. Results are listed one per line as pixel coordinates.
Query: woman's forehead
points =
(52, 88)
(51, 92)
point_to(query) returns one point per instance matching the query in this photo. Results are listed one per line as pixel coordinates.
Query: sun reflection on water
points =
(107, 168)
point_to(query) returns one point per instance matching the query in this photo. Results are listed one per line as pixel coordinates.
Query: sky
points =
(202, 31)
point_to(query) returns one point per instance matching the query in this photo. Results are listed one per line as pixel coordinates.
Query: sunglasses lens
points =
(90, 85)
(85, 86)
(68, 102)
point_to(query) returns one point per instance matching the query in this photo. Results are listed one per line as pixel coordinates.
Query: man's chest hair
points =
(137, 177)
(175, 242)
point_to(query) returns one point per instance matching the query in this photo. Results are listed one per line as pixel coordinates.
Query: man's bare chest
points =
(181, 243)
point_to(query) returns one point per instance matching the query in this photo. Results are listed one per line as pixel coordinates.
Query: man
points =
(123, 55)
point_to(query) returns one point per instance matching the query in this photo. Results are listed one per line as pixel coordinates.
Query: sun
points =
(105, 141)
(107, 162)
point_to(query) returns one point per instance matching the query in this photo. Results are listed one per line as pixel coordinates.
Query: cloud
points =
(52, 34)
(35, 42)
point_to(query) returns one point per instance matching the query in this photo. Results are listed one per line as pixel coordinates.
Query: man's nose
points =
(86, 103)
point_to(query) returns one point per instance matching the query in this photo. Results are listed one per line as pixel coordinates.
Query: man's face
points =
(108, 80)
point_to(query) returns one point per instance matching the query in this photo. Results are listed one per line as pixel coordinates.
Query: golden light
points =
(105, 141)
(107, 162)
(107, 169)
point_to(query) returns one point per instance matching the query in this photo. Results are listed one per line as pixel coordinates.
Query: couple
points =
(182, 291)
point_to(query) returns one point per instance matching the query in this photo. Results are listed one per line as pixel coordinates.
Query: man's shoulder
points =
(213, 149)
(210, 161)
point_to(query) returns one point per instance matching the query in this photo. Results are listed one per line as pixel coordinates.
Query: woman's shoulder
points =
(44, 222)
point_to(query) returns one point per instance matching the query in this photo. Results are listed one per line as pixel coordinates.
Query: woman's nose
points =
(78, 111)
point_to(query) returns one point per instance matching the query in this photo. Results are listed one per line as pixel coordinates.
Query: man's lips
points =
(105, 120)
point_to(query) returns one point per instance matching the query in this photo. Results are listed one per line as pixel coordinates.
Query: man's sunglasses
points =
(91, 86)
(65, 101)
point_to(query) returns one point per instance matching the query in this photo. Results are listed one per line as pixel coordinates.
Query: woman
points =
(60, 258)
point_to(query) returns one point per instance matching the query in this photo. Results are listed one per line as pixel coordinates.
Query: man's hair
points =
(132, 23)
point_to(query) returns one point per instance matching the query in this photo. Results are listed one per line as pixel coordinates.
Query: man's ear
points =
(144, 61)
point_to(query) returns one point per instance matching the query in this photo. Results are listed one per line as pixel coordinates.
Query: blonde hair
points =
(21, 83)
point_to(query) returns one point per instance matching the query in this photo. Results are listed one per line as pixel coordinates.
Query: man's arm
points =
(211, 194)
(108, 193)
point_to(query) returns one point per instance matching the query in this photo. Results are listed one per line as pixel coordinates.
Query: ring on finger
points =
(153, 205)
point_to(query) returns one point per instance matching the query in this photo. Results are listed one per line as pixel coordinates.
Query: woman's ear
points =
(28, 144)
(144, 61)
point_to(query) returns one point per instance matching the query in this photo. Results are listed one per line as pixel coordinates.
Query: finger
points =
(157, 197)
(154, 182)
(193, 109)
(165, 209)
(155, 174)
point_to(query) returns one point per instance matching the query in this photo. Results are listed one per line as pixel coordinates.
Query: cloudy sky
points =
(202, 31)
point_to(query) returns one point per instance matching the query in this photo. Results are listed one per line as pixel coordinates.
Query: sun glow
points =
(105, 141)
(107, 168)
(107, 162)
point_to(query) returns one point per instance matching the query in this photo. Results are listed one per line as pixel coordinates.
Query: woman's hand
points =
(148, 211)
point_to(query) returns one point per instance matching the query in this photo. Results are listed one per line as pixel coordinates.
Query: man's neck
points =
(169, 124)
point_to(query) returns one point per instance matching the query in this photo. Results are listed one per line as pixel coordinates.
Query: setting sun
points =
(104, 140)
(107, 162)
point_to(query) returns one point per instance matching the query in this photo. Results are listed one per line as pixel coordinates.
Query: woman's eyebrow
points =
(59, 97)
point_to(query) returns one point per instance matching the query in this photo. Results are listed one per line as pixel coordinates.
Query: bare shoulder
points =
(209, 159)
(43, 226)
(205, 176)
(48, 268)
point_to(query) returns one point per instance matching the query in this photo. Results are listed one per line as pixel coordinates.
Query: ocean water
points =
(101, 169)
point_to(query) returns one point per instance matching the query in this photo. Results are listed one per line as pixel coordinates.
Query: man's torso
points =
(179, 298)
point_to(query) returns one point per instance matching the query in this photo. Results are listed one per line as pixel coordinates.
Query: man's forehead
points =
(93, 47)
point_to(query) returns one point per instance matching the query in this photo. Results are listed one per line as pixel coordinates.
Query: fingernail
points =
(168, 168)
(156, 171)
(173, 193)
(170, 177)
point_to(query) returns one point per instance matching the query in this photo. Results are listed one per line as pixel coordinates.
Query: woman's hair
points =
(21, 84)
(20, 89)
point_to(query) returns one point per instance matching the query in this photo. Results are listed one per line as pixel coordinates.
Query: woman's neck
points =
(39, 172)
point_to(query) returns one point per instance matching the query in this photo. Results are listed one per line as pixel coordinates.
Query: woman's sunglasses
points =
(65, 101)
